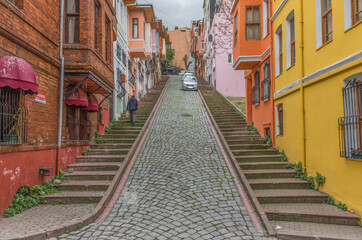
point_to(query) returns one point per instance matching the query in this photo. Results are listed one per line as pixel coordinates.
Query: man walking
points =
(132, 107)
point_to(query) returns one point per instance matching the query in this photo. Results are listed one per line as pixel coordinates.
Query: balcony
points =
(137, 48)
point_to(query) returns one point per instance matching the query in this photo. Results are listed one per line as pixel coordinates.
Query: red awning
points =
(93, 104)
(17, 73)
(79, 98)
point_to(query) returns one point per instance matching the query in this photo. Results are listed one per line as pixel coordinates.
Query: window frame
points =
(252, 23)
(280, 116)
(135, 23)
(266, 82)
(324, 16)
(280, 54)
(354, 4)
(202, 44)
(97, 11)
(76, 28)
(256, 88)
(231, 58)
(107, 40)
(292, 42)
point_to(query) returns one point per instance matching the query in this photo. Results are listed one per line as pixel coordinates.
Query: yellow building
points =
(318, 91)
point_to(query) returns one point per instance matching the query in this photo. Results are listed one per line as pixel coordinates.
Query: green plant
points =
(61, 176)
(107, 130)
(283, 156)
(310, 179)
(268, 140)
(98, 138)
(79, 226)
(320, 180)
(85, 152)
(342, 206)
(330, 200)
(252, 128)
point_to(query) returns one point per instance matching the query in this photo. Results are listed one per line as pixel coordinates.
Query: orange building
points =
(181, 42)
(252, 51)
(198, 47)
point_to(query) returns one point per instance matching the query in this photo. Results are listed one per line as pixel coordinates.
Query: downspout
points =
(272, 68)
(304, 140)
(61, 93)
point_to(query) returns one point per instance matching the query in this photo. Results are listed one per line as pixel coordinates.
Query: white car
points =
(182, 72)
(190, 83)
(188, 74)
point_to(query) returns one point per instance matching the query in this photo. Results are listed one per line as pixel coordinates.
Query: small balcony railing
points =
(256, 95)
(141, 77)
(350, 137)
(131, 77)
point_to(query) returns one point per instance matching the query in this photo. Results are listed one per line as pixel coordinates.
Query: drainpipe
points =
(60, 121)
(304, 147)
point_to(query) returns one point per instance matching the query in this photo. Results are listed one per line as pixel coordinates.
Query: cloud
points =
(177, 12)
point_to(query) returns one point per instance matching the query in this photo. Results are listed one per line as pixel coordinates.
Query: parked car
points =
(188, 74)
(190, 83)
(182, 72)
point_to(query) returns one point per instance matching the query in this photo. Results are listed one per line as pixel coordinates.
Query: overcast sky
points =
(176, 12)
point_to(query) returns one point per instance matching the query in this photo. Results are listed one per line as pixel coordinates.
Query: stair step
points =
(310, 212)
(95, 166)
(118, 140)
(263, 165)
(69, 197)
(101, 158)
(84, 185)
(120, 135)
(279, 183)
(258, 158)
(112, 146)
(290, 196)
(90, 175)
(92, 152)
(305, 230)
(254, 152)
(270, 173)
(249, 146)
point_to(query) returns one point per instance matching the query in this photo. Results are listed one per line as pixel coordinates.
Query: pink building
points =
(227, 81)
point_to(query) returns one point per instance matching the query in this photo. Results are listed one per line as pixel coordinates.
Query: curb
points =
(241, 176)
(101, 206)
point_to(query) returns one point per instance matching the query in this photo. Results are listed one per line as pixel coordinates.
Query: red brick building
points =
(29, 46)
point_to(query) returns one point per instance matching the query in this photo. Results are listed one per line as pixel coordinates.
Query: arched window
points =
(266, 84)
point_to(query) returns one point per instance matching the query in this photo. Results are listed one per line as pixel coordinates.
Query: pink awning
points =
(93, 104)
(17, 73)
(79, 98)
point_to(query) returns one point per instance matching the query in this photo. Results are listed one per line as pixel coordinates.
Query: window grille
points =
(13, 117)
(256, 89)
(350, 128)
(266, 84)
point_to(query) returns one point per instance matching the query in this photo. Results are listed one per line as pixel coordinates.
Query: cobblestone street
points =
(180, 186)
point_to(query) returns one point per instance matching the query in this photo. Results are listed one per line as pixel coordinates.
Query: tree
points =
(186, 59)
(223, 27)
(170, 54)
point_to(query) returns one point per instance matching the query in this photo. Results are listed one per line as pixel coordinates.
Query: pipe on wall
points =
(61, 92)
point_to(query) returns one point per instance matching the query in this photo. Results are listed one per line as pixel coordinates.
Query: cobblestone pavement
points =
(42, 217)
(180, 186)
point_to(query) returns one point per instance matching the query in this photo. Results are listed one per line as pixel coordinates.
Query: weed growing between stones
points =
(27, 197)
(315, 182)
(340, 205)
(268, 140)
(85, 152)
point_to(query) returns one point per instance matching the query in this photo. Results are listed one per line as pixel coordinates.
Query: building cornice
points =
(279, 9)
(253, 58)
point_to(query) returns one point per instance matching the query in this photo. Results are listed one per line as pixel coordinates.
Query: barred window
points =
(266, 84)
(256, 88)
(13, 117)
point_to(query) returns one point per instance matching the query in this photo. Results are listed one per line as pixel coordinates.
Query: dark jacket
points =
(132, 104)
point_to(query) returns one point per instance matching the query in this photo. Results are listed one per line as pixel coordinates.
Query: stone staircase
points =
(88, 179)
(294, 209)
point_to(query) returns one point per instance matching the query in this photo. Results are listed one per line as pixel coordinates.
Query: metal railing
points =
(141, 77)
(350, 136)
(266, 87)
(256, 95)
(13, 117)
(131, 77)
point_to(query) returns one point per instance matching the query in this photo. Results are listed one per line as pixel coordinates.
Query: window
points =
(280, 120)
(290, 36)
(230, 58)
(252, 23)
(97, 17)
(266, 18)
(236, 29)
(202, 44)
(13, 117)
(256, 88)
(356, 11)
(280, 52)
(135, 28)
(107, 40)
(100, 115)
(72, 22)
(327, 26)
(266, 84)
(350, 126)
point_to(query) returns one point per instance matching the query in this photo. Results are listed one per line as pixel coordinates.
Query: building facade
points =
(318, 74)
(180, 39)
(252, 51)
(198, 47)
